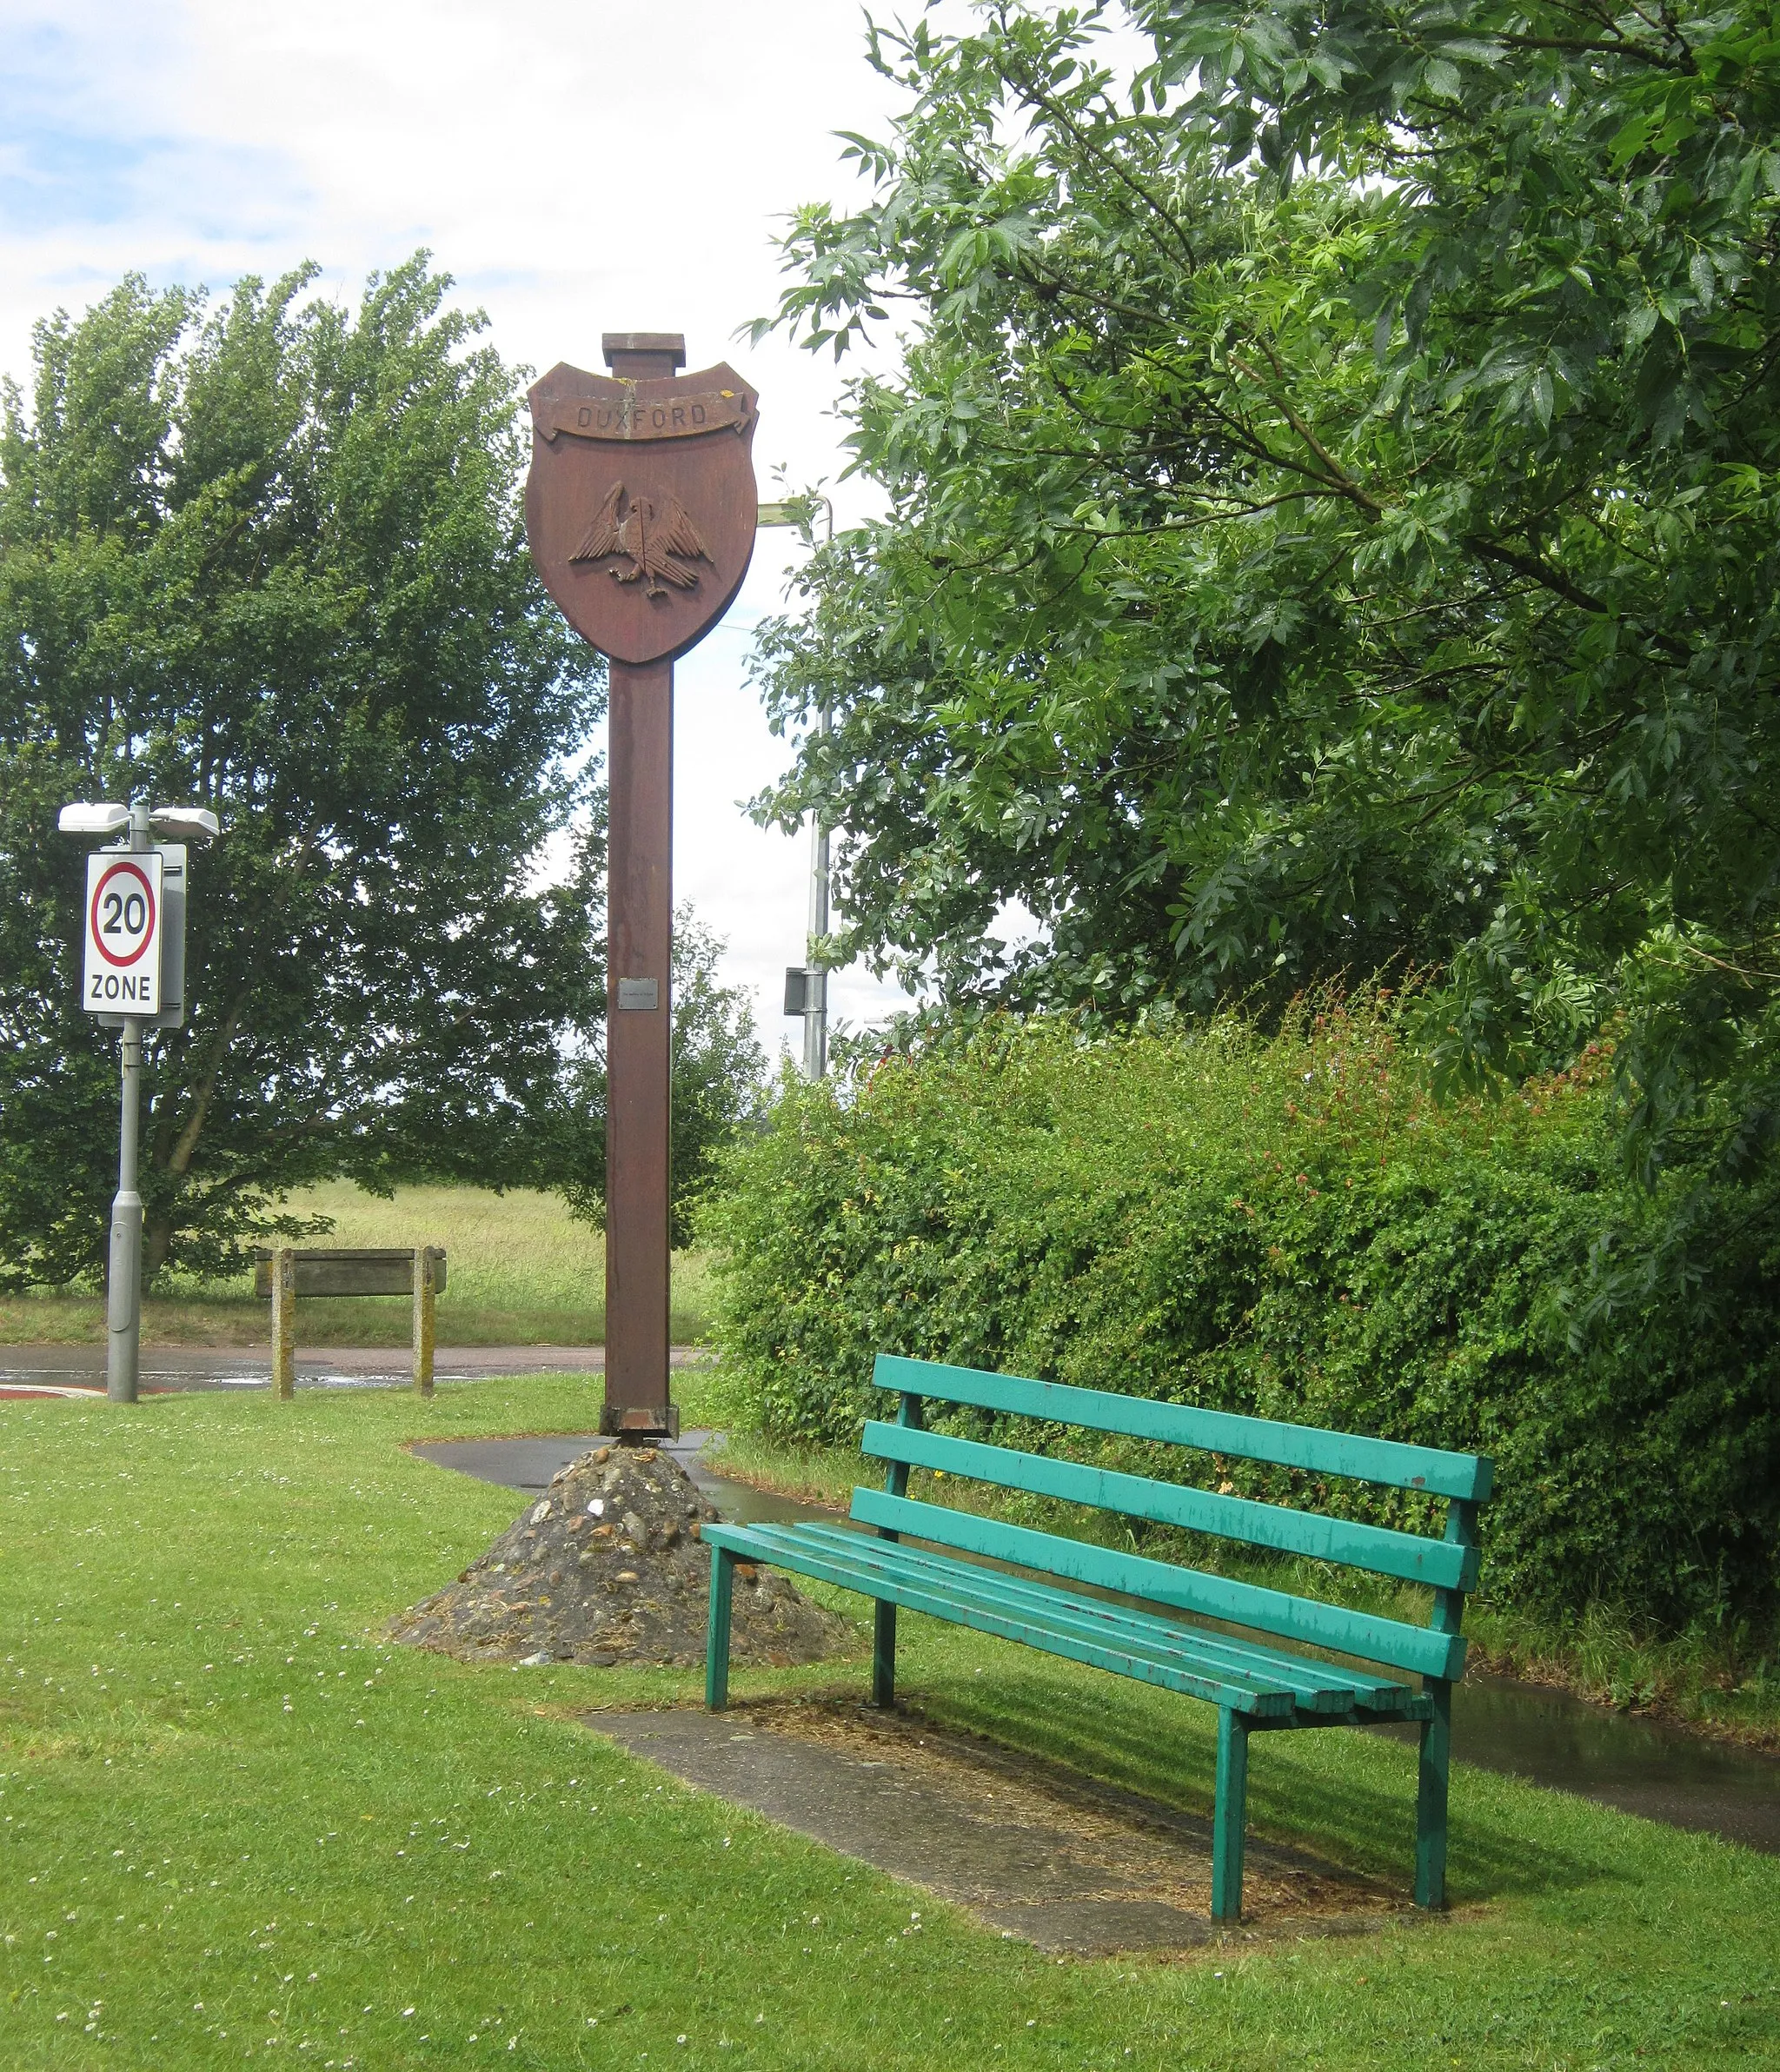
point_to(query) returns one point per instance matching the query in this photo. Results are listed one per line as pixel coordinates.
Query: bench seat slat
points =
(1385, 1461)
(1405, 1555)
(1330, 1692)
(786, 1546)
(1159, 1639)
(1316, 1686)
(1416, 1649)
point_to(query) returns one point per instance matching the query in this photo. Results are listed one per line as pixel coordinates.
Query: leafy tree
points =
(1332, 519)
(268, 557)
(717, 1090)
(719, 1068)
(1286, 1227)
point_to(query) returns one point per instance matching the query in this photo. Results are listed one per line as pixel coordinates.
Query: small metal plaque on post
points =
(805, 989)
(642, 994)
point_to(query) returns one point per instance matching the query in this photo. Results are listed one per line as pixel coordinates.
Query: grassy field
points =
(232, 1824)
(521, 1272)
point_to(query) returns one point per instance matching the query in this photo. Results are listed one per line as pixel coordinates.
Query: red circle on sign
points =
(121, 870)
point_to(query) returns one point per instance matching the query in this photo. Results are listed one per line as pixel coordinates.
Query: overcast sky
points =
(577, 169)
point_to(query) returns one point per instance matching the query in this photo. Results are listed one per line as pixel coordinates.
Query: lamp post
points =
(807, 987)
(138, 823)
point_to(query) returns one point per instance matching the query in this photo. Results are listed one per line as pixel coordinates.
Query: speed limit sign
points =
(122, 973)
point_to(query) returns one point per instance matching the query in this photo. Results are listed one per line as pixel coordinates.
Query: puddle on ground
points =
(1639, 1765)
(80, 1370)
(1521, 1729)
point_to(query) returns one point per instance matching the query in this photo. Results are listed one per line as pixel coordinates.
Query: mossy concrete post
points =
(283, 1280)
(426, 1273)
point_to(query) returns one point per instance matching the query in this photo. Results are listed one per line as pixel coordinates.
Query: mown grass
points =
(233, 1825)
(521, 1272)
(1600, 1656)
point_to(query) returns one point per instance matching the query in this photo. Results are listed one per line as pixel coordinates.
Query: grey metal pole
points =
(815, 1019)
(123, 1292)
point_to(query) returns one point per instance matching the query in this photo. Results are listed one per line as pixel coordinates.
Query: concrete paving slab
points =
(1059, 1860)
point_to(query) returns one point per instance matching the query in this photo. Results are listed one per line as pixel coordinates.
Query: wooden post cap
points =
(671, 344)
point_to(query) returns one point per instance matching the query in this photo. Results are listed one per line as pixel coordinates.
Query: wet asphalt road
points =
(78, 1370)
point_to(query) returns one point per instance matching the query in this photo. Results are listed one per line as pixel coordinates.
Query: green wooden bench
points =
(1256, 1687)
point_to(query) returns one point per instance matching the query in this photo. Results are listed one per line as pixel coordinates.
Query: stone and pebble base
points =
(606, 1567)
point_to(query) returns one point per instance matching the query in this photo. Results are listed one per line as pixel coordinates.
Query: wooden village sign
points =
(640, 514)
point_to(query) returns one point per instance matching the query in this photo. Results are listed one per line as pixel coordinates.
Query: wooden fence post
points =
(425, 1270)
(283, 1278)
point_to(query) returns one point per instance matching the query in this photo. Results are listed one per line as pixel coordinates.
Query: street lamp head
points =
(93, 819)
(188, 823)
(191, 823)
(799, 511)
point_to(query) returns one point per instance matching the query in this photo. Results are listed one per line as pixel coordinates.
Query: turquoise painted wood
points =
(1434, 1763)
(1229, 1815)
(908, 1412)
(1406, 1555)
(1163, 1639)
(717, 1643)
(1439, 1473)
(1302, 1619)
(942, 1570)
(884, 1653)
(1319, 1684)
(1331, 1691)
(1433, 1770)
(787, 1547)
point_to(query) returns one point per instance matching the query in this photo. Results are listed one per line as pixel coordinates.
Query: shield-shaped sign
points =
(640, 507)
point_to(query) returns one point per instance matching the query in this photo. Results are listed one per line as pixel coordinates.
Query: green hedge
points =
(1283, 1225)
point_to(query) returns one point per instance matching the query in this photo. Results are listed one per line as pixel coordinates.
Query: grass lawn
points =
(522, 1272)
(233, 1825)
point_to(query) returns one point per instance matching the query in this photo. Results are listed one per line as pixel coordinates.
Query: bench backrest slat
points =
(1416, 1650)
(1407, 1556)
(1467, 1475)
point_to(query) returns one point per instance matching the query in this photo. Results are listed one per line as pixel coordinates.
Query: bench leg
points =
(1229, 1815)
(883, 1652)
(717, 1641)
(1430, 1796)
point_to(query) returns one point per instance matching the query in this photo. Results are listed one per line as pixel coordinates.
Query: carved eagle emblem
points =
(657, 541)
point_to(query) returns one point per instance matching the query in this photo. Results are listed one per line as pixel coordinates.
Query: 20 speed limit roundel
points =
(122, 914)
(122, 973)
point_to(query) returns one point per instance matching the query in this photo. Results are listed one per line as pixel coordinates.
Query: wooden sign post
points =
(640, 512)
